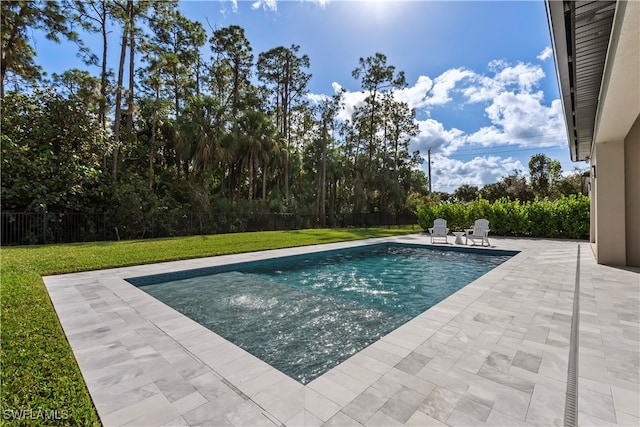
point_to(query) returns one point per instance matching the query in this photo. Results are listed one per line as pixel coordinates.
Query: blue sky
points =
(481, 74)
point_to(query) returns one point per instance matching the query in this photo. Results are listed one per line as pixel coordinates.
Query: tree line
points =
(192, 120)
(191, 129)
(546, 181)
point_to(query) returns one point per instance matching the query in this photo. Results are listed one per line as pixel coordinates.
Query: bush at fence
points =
(566, 217)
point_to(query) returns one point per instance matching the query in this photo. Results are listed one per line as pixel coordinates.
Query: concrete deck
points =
(494, 353)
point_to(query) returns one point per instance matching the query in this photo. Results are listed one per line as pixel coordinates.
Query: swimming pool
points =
(305, 314)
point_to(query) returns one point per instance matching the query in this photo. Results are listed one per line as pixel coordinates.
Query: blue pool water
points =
(305, 314)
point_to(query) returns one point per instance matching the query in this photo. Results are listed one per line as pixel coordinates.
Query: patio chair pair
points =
(479, 232)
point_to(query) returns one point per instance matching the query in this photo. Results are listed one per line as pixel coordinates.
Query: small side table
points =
(458, 235)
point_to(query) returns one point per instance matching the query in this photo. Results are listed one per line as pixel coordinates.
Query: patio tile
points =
(409, 381)
(476, 410)
(365, 405)
(627, 401)
(627, 420)
(499, 377)
(176, 422)
(250, 415)
(209, 386)
(261, 382)
(388, 386)
(513, 403)
(597, 404)
(346, 381)
(527, 361)
(380, 419)
(319, 405)
(420, 419)
(546, 407)
(494, 353)
(332, 390)
(459, 418)
(189, 402)
(283, 404)
(483, 395)
(139, 409)
(306, 419)
(500, 419)
(359, 372)
(206, 415)
(413, 363)
(383, 355)
(341, 420)
(440, 403)
(403, 404)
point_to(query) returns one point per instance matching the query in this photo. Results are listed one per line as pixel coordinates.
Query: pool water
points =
(305, 315)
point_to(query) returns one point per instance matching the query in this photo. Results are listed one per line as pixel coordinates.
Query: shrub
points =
(426, 214)
(539, 224)
(479, 208)
(454, 213)
(573, 215)
(566, 217)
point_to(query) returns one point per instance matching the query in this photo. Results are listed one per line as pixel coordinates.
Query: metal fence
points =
(19, 228)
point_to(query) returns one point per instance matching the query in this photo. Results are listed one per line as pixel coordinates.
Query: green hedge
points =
(567, 217)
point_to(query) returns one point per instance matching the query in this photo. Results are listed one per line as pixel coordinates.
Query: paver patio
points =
(494, 353)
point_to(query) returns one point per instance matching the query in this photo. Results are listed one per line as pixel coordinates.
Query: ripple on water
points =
(304, 318)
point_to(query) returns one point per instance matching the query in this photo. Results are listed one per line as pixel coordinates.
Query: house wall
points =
(632, 193)
(610, 210)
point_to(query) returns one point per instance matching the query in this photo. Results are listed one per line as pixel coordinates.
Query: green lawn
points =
(40, 380)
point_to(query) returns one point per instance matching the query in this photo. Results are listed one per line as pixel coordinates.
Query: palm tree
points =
(201, 130)
(257, 135)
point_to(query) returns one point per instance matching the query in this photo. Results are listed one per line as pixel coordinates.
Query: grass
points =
(40, 379)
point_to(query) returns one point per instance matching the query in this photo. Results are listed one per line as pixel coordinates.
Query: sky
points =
(481, 74)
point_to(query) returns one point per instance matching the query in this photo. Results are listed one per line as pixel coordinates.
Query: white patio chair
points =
(439, 230)
(480, 231)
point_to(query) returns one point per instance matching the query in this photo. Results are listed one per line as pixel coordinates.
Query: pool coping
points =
(465, 360)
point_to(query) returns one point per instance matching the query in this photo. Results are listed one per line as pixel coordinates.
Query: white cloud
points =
(234, 6)
(545, 54)
(416, 96)
(526, 76)
(272, 5)
(521, 119)
(514, 107)
(449, 174)
(321, 3)
(445, 83)
(265, 4)
(317, 98)
(351, 100)
(432, 134)
(521, 77)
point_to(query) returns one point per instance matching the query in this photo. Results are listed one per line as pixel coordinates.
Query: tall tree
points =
(328, 112)
(173, 55)
(125, 14)
(466, 193)
(257, 143)
(282, 72)
(544, 173)
(17, 20)
(231, 67)
(128, 14)
(93, 16)
(229, 80)
(399, 127)
(376, 76)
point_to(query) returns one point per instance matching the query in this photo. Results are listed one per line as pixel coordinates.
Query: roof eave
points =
(558, 33)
